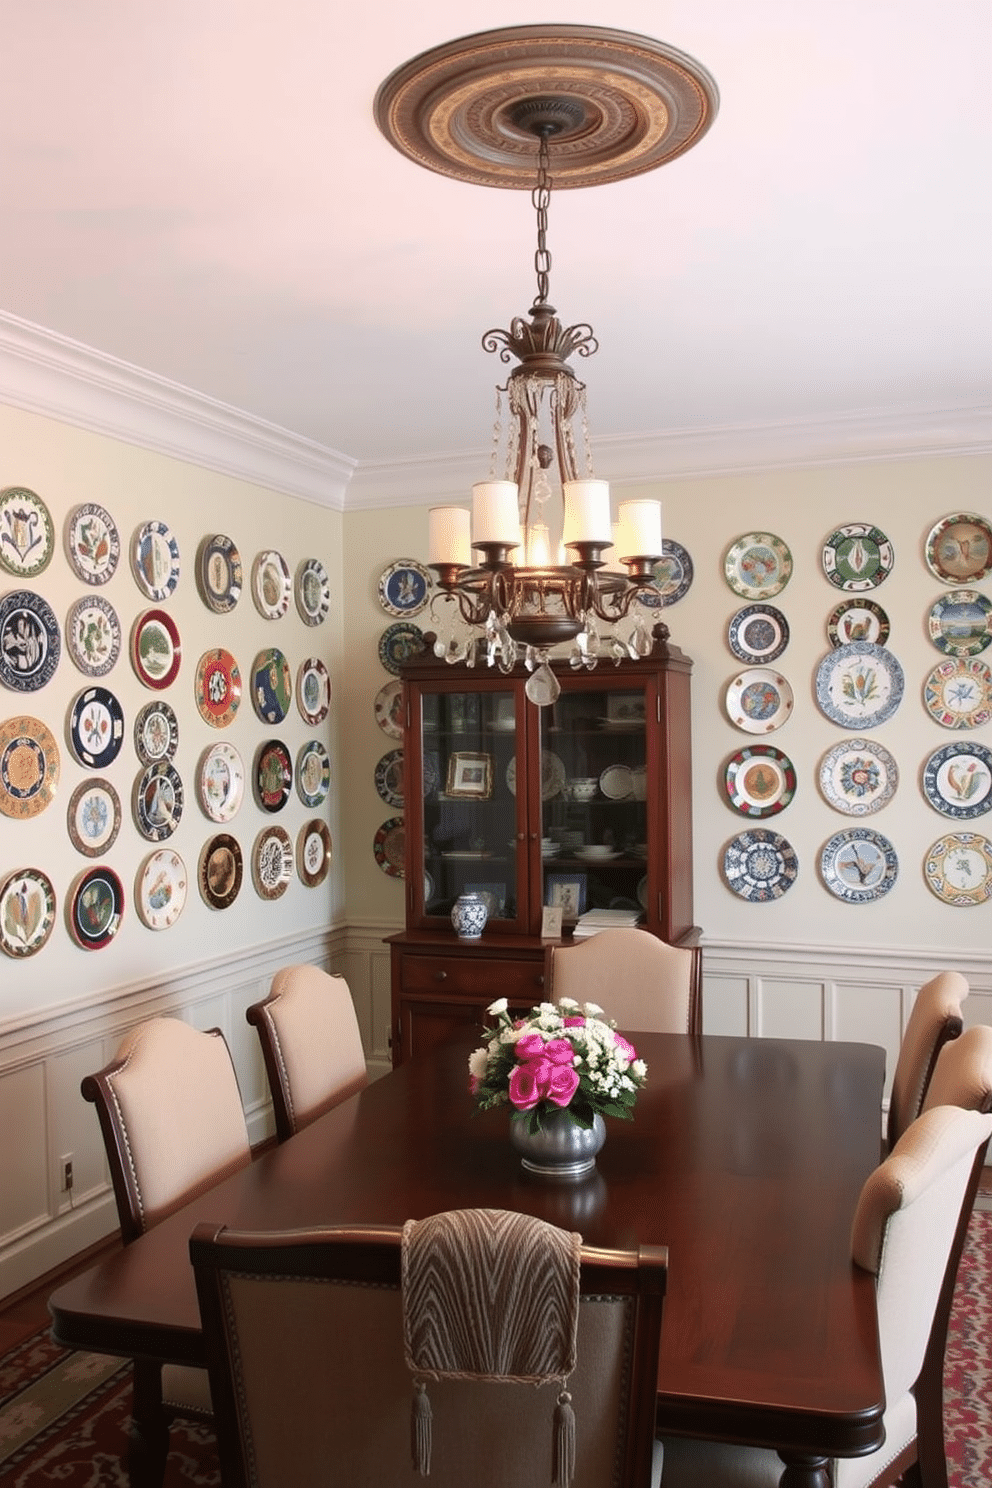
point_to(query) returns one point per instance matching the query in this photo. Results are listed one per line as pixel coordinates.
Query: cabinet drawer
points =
(515, 980)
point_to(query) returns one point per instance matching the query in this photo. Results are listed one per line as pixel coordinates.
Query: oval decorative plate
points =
(271, 586)
(155, 561)
(958, 868)
(858, 777)
(271, 862)
(313, 853)
(313, 691)
(758, 565)
(759, 781)
(857, 620)
(398, 643)
(218, 687)
(758, 633)
(92, 543)
(156, 733)
(27, 537)
(220, 871)
(271, 685)
(859, 685)
(759, 700)
(219, 575)
(857, 557)
(160, 889)
(388, 708)
(759, 865)
(27, 912)
(273, 775)
(96, 728)
(958, 693)
(29, 767)
(858, 865)
(313, 591)
(221, 782)
(94, 817)
(957, 780)
(553, 775)
(673, 575)
(30, 642)
(95, 908)
(313, 774)
(389, 847)
(158, 801)
(959, 548)
(389, 779)
(156, 650)
(960, 623)
(404, 587)
(93, 635)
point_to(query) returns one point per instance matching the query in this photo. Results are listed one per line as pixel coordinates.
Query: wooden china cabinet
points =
(586, 803)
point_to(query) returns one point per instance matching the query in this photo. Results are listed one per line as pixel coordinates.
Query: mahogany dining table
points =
(745, 1157)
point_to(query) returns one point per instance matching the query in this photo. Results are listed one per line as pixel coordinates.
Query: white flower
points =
(638, 1069)
(592, 1010)
(547, 1009)
(499, 1006)
(567, 1002)
(477, 1063)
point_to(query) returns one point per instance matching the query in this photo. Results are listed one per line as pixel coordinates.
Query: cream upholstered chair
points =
(935, 1018)
(962, 1075)
(908, 1229)
(311, 1045)
(646, 985)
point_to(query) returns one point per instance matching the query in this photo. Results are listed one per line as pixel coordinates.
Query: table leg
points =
(148, 1446)
(804, 1471)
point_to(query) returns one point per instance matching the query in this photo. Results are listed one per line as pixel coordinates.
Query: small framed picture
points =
(625, 707)
(494, 895)
(551, 923)
(470, 775)
(567, 892)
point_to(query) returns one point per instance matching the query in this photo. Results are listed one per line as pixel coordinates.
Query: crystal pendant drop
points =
(542, 686)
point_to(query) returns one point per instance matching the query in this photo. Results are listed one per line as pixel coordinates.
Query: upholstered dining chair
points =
(908, 1229)
(479, 1399)
(173, 1125)
(646, 985)
(311, 1045)
(934, 1020)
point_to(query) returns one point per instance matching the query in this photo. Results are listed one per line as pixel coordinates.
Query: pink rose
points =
(574, 1022)
(528, 1083)
(562, 1085)
(531, 1046)
(625, 1048)
(559, 1051)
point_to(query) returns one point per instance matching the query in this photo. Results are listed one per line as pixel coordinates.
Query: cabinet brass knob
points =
(540, 980)
(440, 976)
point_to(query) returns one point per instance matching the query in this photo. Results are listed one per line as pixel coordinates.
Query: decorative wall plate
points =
(960, 623)
(398, 643)
(219, 575)
(313, 774)
(158, 801)
(958, 868)
(313, 591)
(957, 780)
(858, 777)
(96, 728)
(958, 693)
(389, 847)
(29, 767)
(759, 700)
(313, 691)
(95, 908)
(759, 781)
(160, 889)
(271, 685)
(389, 779)
(959, 548)
(221, 782)
(94, 817)
(272, 862)
(858, 865)
(218, 687)
(27, 537)
(220, 871)
(156, 650)
(27, 912)
(313, 853)
(271, 586)
(553, 775)
(30, 642)
(92, 543)
(273, 775)
(155, 561)
(859, 685)
(758, 565)
(388, 708)
(857, 557)
(404, 587)
(156, 733)
(617, 782)
(857, 620)
(759, 865)
(93, 635)
(673, 575)
(758, 633)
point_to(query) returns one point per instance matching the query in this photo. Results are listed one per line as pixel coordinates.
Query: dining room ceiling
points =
(200, 189)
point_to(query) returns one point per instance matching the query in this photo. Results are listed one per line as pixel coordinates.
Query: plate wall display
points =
(759, 700)
(220, 871)
(92, 543)
(858, 777)
(158, 801)
(221, 782)
(272, 862)
(219, 575)
(273, 775)
(271, 685)
(156, 650)
(313, 591)
(156, 733)
(857, 557)
(313, 774)
(94, 817)
(398, 643)
(29, 767)
(404, 587)
(155, 561)
(957, 780)
(759, 781)
(760, 865)
(553, 775)
(313, 853)
(958, 868)
(959, 548)
(758, 633)
(271, 586)
(858, 865)
(389, 847)
(758, 565)
(958, 693)
(388, 709)
(93, 635)
(96, 728)
(30, 641)
(218, 687)
(859, 685)
(27, 537)
(27, 912)
(857, 620)
(673, 575)
(95, 908)
(160, 889)
(389, 779)
(313, 691)
(960, 623)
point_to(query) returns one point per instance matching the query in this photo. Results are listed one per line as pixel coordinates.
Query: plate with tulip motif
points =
(859, 685)
(957, 780)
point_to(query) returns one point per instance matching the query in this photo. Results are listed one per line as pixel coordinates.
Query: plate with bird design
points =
(858, 865)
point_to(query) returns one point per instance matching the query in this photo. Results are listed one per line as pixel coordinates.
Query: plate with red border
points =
(759, 781)
(156, 650)
(95, 908)
(273, 775)
(27, 912)
(218, 687)
(389, 847)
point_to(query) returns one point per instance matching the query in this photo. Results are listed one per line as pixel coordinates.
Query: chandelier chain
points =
(541, 197)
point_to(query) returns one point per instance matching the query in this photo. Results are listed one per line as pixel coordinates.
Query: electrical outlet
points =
(65, 1167)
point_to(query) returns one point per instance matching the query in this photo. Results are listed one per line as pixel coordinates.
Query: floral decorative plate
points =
(273, 775)
(389, 779)
(27, 537)
(759, 781)
(219, 575)
(271, 685)
(220, 871)
(27, 912)
(94, 817)
(960, 623)
(859, 685)
(553, 775)
(673, 575)
(155, 561)
(957, 780)
(313, 691)
(156, 733)
(96, 728)
(92, 543)
(398, 643)
(29, 767)
(758, 565)
(156, 650)
(271, 585)
(95, 908)
(313, 774)
(218, 687)
(313, 591)
(313, 853)
(222, 782)
(858, 865)
(958, 693)
(858, 777)
(857, 620)
(759, 700)
(758, 633)
(958, 868)
(389, 847)
(404, 587)
(272, 862)
(759, 865)
(158, 801)
(30, 642)
(959, 548)
(93, 635)
(160, 889)
(857, 557)
(388, 708)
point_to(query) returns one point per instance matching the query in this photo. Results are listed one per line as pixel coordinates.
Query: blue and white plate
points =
(404, 587)
(760, 865)
(96, 728)
(859, 685)
(858, 777)
(858, 865)
(957, 780)
(30, 641)
(758, 633)
(155, 560)
(673, 575)
(158, 801)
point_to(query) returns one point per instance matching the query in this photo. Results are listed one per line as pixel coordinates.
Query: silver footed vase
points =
(560, 1149)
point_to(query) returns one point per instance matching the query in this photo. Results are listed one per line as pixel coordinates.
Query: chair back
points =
(962, 1075)
(935, 1018)
(643, 983)
(311, 1045)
